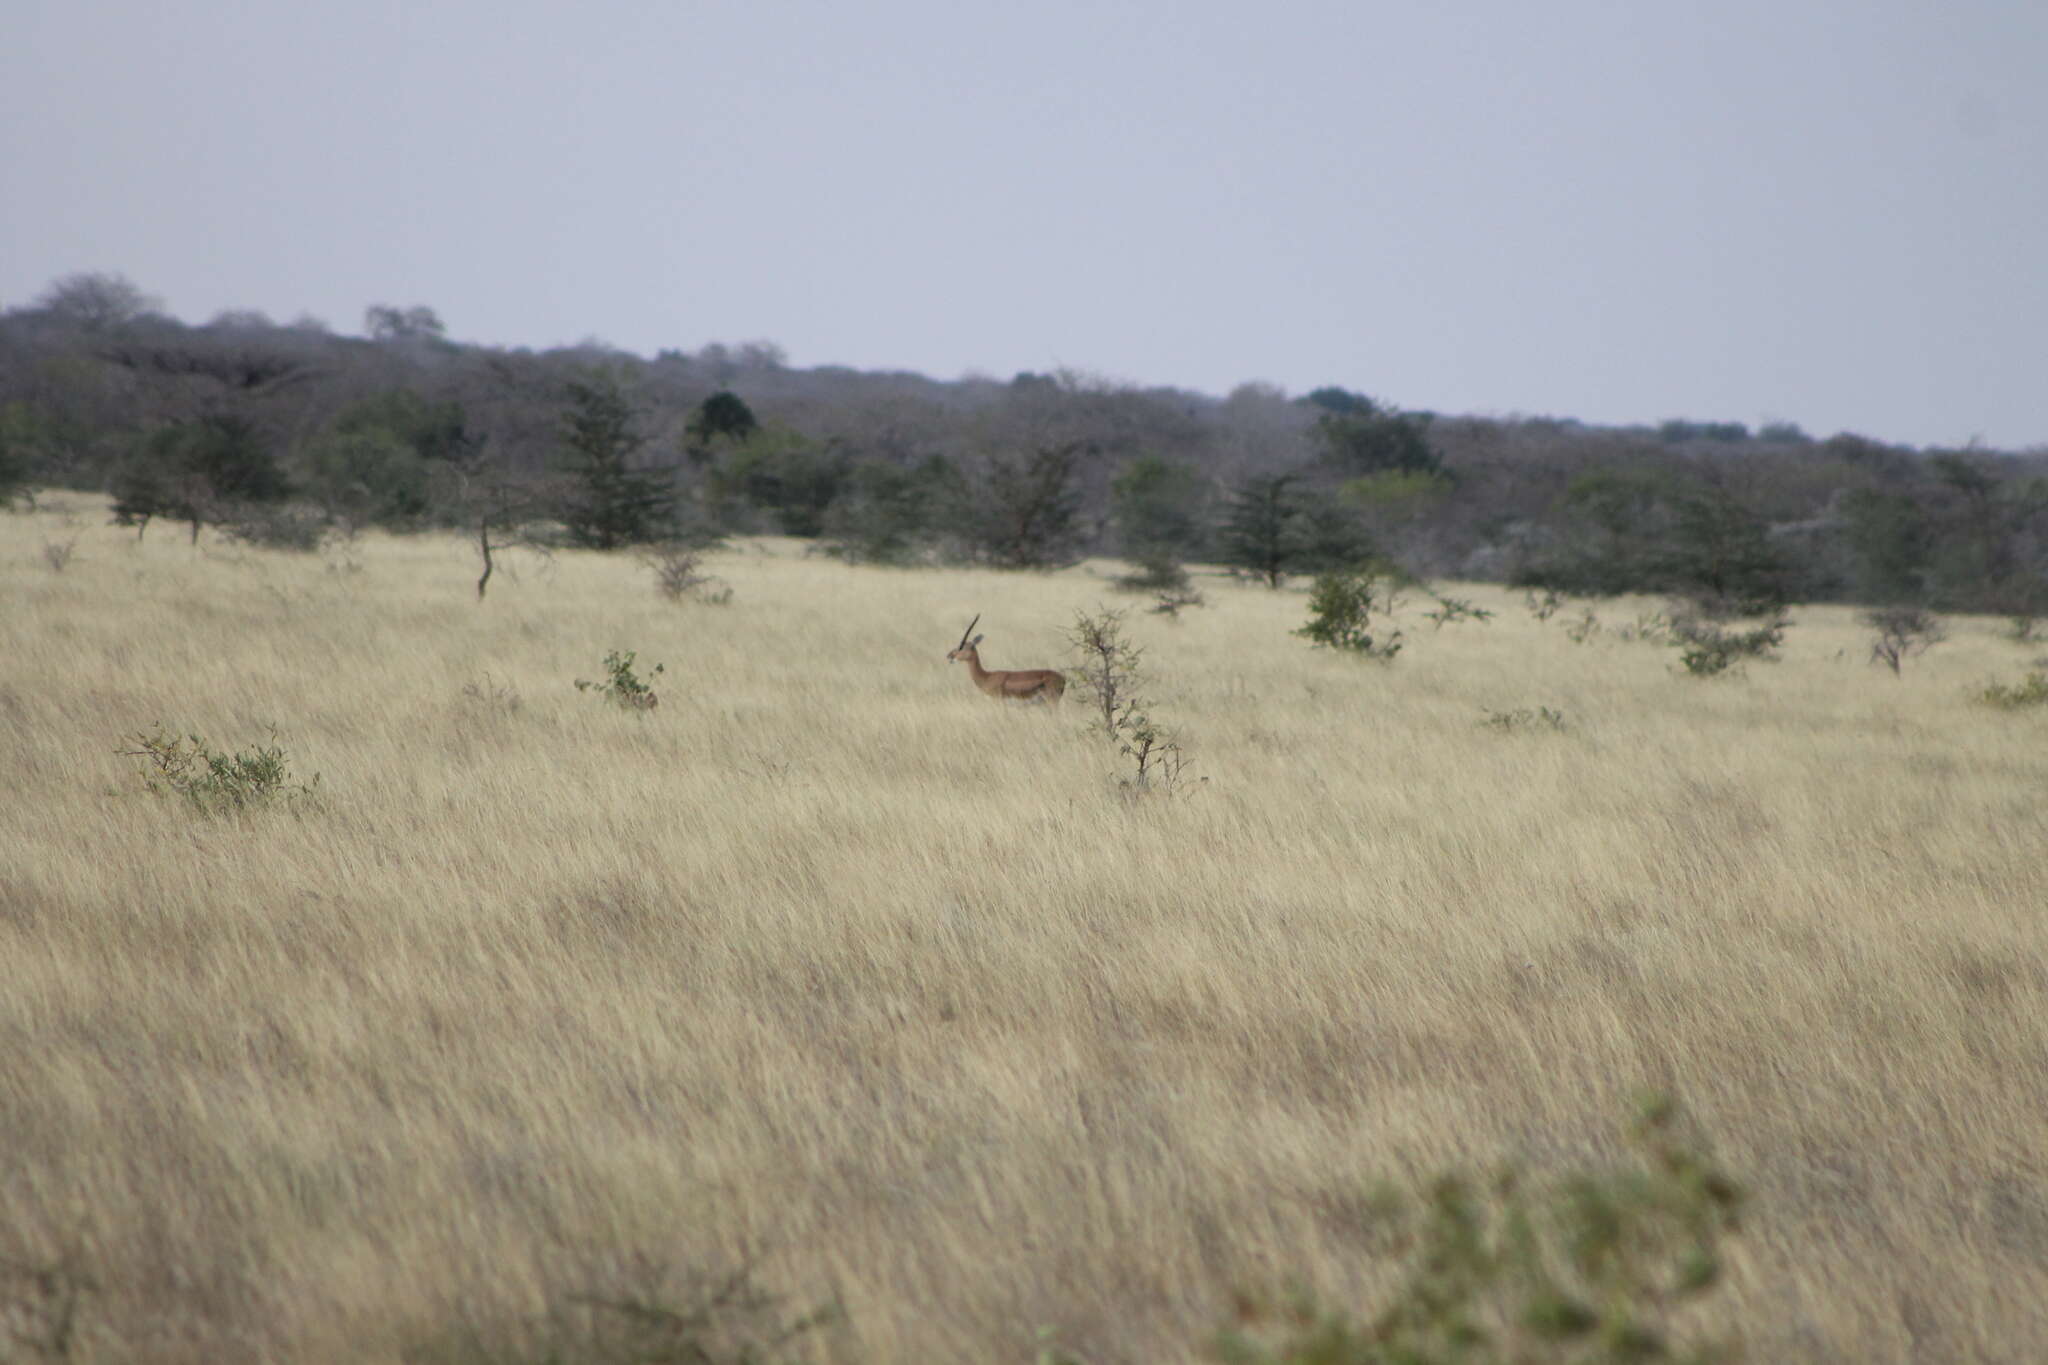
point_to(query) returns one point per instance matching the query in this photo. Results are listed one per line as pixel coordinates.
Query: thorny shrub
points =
(621, 686)
(1450, 609)
(1111, 668)
(216, 782)
(677, 576)
(1901, 633)
(1707, 650)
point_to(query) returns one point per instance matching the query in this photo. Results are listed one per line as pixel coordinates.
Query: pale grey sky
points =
(1833, 212)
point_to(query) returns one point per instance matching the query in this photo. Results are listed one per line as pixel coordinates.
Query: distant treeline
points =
(284, 432)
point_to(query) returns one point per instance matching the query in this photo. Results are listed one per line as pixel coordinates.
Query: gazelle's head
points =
(966, 646)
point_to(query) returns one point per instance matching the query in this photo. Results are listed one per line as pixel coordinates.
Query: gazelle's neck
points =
(974, 668)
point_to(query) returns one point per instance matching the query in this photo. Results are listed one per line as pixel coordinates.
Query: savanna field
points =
(830, 971)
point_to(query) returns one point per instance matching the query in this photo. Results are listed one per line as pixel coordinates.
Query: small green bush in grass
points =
(213, 781)
(621, 686)
(1341, 608)
(2032, 691)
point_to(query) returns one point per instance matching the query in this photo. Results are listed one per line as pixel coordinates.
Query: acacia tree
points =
(1024, 511)
(97, 301)
(382, 322)
(197, 471)
(1274, 528)
(1359, 436)
(1158, 506)
(613, 502)
(1256, 528)
(724, 414)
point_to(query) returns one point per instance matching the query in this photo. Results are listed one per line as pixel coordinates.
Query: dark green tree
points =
(1377, 443)
(890, 512)
(1359, 436)
(198, 471)
(1338, 401)
(1606, 533)
(788, 476)
(1024, 511)
(19, 447)
(612, 501)
(367, 475)
(1889, 535)
(724, 414)
(1160, 510)
(433, 430)
(1329, 536)
(1275, 526)
(1257, 532)
(1634, 528)
(1721, 554)
(379, 460)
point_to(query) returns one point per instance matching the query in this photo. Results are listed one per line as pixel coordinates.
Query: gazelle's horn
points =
(967, 632)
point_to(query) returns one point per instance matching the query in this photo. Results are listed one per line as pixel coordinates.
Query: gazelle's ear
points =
(975, 641)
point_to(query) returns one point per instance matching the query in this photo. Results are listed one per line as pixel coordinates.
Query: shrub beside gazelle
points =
(1016, 684)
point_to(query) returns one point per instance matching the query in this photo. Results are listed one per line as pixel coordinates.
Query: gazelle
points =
(1020, 684)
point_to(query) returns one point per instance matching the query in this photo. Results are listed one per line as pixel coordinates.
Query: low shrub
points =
(1341, 608)
(1707, 649)
(2030, 691)
(1901, 633)
(300, 530)
(1525, 718)
(213, 781)
(1451, 609)
(621, 686)
(678, 576)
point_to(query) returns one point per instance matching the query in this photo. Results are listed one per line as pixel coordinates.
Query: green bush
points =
(1340, 614)
(2032, 691)
(1450, 609)
(1591, 1268)
(216, 782)
(621, 686)
(1707, 650)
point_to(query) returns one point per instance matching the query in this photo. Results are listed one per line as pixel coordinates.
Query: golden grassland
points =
(831, 965)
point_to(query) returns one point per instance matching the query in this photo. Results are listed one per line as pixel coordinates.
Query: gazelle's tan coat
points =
(1018, 684)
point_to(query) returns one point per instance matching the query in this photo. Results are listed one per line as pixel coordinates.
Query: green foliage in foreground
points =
(216, 782)
(1593, 1268)
(1589, 1268)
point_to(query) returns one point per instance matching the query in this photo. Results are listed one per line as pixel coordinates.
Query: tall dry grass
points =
(831, 965)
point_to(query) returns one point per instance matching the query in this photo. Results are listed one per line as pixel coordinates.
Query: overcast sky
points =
(1833, 212)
